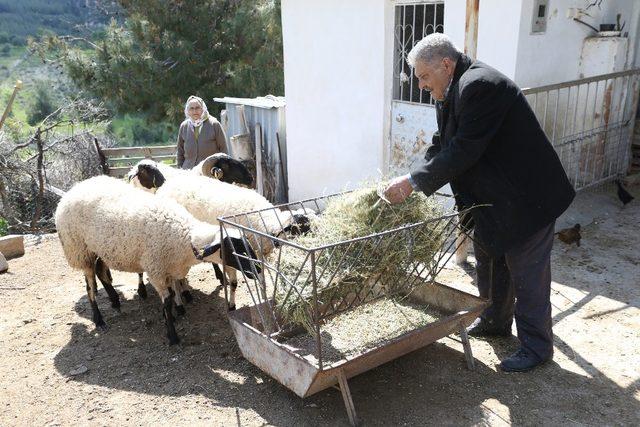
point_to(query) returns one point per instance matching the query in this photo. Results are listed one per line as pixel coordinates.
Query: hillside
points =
(20, 19)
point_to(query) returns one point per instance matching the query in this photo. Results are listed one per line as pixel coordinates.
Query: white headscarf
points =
(205, 113)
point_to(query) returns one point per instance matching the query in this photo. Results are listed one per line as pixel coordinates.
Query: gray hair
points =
(433, 47)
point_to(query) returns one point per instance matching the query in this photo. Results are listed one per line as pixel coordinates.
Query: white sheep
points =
(208, 199)
(105, 221)
(149, 175)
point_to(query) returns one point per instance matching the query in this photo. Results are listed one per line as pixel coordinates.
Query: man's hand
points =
(399, 189)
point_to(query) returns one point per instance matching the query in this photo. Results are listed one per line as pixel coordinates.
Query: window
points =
(412, 23)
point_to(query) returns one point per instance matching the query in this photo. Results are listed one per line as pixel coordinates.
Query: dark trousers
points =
(519, 283)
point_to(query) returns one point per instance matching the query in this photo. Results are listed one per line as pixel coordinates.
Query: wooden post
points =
(7, 109)
(258, 139)
(40, 169)
(104, 165)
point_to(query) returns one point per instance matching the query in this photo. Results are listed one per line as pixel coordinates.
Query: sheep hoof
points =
(102, 326)
(116, 305)
(187, 296)
(180, 310)
(142, 292)
(232, 307)
(174, 340)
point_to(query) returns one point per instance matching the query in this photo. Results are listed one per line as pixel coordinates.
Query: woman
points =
(200, 135)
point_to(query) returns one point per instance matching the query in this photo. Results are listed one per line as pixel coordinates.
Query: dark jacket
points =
(492, 150)
(211, 140)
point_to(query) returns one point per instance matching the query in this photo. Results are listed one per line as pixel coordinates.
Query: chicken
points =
(623, 194)
(570, 235)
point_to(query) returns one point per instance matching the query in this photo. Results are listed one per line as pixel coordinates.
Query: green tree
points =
(42, 106)
(4, 227)
(170, 49)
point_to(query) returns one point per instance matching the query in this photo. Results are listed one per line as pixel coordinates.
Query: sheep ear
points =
(210, 250)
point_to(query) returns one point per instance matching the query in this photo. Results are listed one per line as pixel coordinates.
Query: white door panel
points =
(412, 128)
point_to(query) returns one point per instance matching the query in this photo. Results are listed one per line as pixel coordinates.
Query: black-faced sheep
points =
(208, 199)
(225, 168)
(150, 175)
(105, 222)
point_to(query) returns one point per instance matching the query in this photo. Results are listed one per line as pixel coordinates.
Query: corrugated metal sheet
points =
(269, 113)
(269, 101)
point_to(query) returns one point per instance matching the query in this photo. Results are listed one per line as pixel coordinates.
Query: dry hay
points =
(349, 271)
(366, 327)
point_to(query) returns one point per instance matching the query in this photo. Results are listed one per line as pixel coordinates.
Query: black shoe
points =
(521, 361)
(482, 328)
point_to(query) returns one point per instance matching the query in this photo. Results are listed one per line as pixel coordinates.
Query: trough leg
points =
(346, 396)
(468, 355)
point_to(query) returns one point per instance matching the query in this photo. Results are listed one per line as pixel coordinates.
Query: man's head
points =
(434, 59)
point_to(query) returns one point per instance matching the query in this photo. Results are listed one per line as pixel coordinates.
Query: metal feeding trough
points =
(264, 330)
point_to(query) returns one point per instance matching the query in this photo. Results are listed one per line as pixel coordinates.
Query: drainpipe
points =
(471, 28)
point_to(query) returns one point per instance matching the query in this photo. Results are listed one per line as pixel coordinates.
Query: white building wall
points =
(454, 17)
(554, 56)
(498, 27)
(338, 59)
(335, 79)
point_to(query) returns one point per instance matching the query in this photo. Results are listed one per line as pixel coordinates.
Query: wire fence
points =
(294, 286)
(590, 124)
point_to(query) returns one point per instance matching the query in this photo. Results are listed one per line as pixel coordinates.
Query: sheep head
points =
(147, 175)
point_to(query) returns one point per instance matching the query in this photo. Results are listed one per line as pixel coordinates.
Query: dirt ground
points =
(57, 369)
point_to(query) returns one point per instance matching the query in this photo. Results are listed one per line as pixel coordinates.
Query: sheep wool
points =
(106, 217)
(105, 222)
(207, 199)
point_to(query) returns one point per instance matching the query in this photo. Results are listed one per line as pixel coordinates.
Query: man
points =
(492, 150)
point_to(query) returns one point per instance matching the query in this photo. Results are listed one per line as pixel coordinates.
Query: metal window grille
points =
(412, 23)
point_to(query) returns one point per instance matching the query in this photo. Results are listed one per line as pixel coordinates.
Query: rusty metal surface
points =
(304, 377)
(412, 128)
(471, 28)
(288, 368)
(589, 122)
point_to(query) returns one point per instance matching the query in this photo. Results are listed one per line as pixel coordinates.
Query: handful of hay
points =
(352, 272)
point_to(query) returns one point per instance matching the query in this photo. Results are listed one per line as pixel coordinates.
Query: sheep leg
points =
(103, 273)
(142, 289)
(177, 285)
(233, 285)
(167, 296)
(218, 273)
(185, 290)
(92, 291)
